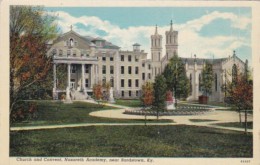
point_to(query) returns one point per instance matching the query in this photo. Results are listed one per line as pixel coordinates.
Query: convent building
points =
(92, 60)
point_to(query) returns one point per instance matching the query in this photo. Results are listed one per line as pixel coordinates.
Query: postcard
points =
(130, 82)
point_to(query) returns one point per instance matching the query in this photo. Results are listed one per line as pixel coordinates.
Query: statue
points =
(111, 97)
(169, 101)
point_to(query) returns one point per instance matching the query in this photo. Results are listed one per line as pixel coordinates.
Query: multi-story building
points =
(92, 60)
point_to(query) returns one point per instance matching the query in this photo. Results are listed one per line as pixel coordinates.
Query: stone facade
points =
(92, 60)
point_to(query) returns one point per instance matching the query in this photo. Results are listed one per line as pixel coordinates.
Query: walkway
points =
(210, 119)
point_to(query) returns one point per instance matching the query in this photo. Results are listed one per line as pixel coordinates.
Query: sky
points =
(208, 32)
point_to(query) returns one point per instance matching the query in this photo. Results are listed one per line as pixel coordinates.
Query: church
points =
(91, 60)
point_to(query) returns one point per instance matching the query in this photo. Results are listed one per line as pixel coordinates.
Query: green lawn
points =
(53, 113)
(129, 103)
(132, 141)
(201, 120)
(236, 125)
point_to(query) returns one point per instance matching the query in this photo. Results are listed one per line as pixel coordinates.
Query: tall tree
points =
(207, 79)
(147, 94)
(160, 88)
(176, 79)
(30, 29)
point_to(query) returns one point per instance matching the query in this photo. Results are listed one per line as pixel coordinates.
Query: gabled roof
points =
(200, 61)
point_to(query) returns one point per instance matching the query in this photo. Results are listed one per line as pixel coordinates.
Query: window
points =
(71, 42)
(111, 58)
(87, 68)
(104, 80)
(234, 73)
(73, 68)
(129, 83)
(112, 82)
(129, 70)
(143, 76)
(149, 75)
(122, 58)
(129, 58)
(68, 52)
(86, 83)
(103, 58)
(104, 69)
(137, 93)
(122, 70)
(54, 52)
(136, 83)
(60, 52)
(143, 64)
(149, 66)
(74, 53)
(111, 69)
(136, 70)
(130, 93)
(136, 59)
(122, 93)
(122, 83)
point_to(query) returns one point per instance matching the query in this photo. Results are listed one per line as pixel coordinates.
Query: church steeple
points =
(171, 29)
(156, 32)
(156, 45)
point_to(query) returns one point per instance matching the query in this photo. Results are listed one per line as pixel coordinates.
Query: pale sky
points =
(204, 31)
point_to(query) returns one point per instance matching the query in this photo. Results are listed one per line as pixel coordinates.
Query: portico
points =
(81, 76)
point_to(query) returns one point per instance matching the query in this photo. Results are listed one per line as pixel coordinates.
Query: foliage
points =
(147, 94)
(30, 30)
(97, 91)
(176, 79)
(241, 93)
(207, 79)
(106, 91)
(160, 88)
(24, 111)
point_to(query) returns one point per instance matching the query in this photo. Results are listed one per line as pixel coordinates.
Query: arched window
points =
(216, 82)
(234, 73)
(190, 84)
(71, 42)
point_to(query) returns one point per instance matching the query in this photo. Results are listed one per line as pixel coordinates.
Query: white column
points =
(68, 85)
(54, 94)
(96, 73)
(83, 77)
(91, 75)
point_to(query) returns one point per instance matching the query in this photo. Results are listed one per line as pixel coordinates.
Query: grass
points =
(132, 141)
(201, 120)
(54, 113)
(129, 103)
(236, 124)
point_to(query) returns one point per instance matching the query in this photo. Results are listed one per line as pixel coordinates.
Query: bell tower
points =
(156, 46)
(171, 43)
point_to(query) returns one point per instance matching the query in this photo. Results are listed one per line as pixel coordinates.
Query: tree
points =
(147, 94)
(147, 97)
(160, 89)
(207, 79)
(240, 90)
(30, 30)
(176, 79)
(106, 87)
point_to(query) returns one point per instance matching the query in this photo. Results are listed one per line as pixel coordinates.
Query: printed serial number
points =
(245, 161)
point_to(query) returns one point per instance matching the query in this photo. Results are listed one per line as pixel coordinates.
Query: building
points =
(92, 60)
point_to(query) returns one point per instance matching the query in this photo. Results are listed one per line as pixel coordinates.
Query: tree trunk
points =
(246, 121)
(240, 117)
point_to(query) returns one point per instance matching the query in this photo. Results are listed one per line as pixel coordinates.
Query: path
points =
(216, 117)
